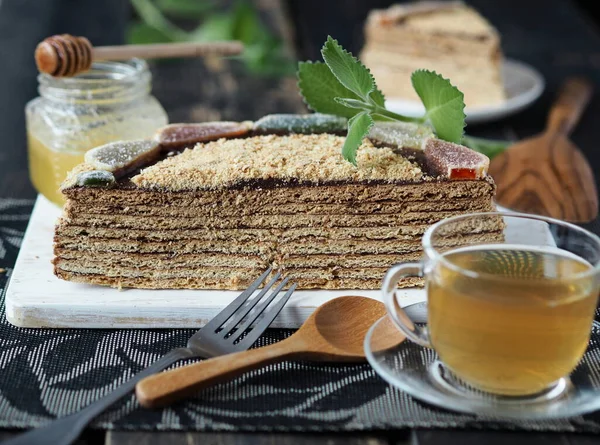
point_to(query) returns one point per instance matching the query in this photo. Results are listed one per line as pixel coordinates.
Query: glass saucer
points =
(416, 370)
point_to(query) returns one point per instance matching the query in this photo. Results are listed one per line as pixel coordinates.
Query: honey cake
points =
(450, 38)
(216, 214)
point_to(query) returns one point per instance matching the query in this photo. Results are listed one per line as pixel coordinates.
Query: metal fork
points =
(226, 333)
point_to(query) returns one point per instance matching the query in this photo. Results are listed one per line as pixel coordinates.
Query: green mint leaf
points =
(358, 128)
(347, 69)
(352, 103)
(378, 97)
(488, 147)
(444, 104)
(319, 88)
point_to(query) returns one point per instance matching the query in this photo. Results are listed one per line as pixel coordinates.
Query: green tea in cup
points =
(511, 315)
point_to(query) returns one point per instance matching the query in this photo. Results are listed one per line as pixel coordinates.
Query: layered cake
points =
(450, 38)
(277, 193)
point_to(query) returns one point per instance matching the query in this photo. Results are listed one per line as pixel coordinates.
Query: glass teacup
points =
(511, 299)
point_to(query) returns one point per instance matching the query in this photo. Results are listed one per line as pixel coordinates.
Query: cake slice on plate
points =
(450, 38)
(243, 197)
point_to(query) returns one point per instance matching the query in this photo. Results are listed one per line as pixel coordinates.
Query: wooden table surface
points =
(553, 35)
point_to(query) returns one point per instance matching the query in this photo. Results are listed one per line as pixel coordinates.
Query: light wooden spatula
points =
(547, 174)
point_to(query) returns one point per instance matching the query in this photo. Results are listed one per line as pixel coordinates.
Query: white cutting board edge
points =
(36, 298)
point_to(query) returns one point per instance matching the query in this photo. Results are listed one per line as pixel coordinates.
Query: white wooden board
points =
(36, 298)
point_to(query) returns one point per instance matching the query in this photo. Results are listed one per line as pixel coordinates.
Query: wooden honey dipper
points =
(66, 55)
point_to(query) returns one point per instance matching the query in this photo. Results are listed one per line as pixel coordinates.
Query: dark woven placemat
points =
(46, 373)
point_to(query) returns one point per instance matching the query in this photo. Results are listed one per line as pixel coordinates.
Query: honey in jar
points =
(110, 102)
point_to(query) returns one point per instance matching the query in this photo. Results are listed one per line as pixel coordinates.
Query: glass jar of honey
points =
(110, 102)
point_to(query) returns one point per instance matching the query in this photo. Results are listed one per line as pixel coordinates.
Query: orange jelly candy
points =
(453, 161)
(463, 173)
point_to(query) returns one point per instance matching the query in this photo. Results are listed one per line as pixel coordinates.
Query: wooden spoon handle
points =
(166, 50)
(572, 100)
(66, 55)
(170, 386)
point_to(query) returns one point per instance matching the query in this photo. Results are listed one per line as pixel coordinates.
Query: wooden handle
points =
(572, 100)
(170, 386)
(166, 50)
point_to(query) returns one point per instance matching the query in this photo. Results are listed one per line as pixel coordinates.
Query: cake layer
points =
(349, 260)
(384, 65)
(343, 247)
(476, 89)
(212, 272)
(68, 231)
(429, 50)
(306, 246)
(266, 193)
(166, 260)
(215, 273)
(376, 52)
(73, 208)
(186, 246)
(233, 282)
(430, 46)
(257, 221)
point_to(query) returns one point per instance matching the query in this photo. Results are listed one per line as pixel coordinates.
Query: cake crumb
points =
(314, 158)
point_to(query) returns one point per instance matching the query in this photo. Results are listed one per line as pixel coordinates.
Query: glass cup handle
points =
(419, 335)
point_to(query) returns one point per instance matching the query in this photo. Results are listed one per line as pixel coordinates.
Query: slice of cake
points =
(450, 38)
(273, 194)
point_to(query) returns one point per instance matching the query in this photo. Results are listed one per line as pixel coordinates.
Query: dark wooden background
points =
(558, 37)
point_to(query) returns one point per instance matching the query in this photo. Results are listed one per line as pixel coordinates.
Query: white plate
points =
(523, 85)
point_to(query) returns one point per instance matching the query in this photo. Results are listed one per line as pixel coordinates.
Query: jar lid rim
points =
(101, 71)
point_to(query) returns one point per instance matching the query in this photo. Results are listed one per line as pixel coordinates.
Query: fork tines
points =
(244, 319)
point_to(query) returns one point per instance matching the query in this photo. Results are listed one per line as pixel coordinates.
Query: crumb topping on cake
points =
(312, 158)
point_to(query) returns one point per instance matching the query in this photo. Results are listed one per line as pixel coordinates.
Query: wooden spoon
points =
(547, 174)
(334, 332)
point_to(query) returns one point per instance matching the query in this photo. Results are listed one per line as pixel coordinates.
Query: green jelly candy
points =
(401, 134)
(122, 156)
(95, 178)
(301, 123)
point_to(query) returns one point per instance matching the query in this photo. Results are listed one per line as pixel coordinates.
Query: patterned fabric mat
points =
(47, 373)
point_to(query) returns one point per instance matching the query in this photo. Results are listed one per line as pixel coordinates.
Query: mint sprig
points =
(345, 87)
